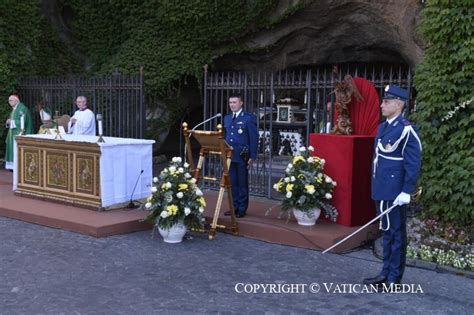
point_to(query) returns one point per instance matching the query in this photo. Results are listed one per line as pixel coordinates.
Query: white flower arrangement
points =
(175, 197)
(305, 186)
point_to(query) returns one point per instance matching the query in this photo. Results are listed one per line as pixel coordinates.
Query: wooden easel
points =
(213, 143)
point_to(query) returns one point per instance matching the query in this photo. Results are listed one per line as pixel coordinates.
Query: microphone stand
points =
(131, 204)
(205, 121)
(194, 128)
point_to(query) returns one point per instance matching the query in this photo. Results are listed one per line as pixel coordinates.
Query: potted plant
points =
(176, 203)
(306, 188)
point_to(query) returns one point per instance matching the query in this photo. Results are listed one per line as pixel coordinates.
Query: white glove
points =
(402, 199)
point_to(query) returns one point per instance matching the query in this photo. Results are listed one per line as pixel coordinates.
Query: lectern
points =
(213, 143)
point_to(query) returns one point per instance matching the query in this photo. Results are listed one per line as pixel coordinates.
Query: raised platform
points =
(79, 220)
(255, 225)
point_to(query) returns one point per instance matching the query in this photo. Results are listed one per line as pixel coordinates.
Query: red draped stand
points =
(348, 162)
(349, 158)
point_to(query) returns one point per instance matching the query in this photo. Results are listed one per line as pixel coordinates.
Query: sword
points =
(361, 228)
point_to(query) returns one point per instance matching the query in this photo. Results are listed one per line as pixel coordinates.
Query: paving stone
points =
(51, 271)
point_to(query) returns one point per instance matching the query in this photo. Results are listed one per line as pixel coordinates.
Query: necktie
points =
(385, 125)
(233, 117)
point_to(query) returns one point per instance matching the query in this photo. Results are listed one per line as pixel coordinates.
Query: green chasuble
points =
(12, 132)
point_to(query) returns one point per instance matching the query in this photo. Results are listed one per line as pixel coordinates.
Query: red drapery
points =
(364, 114)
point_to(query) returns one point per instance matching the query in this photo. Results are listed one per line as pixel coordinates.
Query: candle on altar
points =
(22, 121)
(100, 127)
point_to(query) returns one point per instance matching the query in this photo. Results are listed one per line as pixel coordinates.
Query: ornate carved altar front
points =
(59, 170)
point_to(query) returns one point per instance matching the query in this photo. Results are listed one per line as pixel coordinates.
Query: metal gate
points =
(289, 105)
(119, 98)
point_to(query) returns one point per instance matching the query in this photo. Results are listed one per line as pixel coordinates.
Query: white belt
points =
(407, 130)
(376, 159)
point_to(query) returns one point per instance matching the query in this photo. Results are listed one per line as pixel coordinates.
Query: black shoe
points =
(375, 280)
(240, 214)
(228, 213)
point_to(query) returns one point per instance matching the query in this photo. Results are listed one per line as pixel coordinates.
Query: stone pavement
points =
(50, 271)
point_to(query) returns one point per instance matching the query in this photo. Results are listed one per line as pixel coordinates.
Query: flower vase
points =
(174, 234)
(307, 218)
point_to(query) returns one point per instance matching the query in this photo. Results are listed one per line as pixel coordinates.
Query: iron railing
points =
(119, 98)
(310, 88)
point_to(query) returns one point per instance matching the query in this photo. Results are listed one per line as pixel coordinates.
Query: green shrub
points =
(445, 116)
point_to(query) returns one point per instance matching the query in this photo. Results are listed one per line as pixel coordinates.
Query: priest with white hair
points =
(83, 121)
(19, 118)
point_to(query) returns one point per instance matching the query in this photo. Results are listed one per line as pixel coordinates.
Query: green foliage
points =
(445, 84)
(170, 39)
(28, 46)
(18, 37)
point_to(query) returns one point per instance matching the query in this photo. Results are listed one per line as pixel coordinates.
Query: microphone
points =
(131, 204)
(201, 123)
(207, 120)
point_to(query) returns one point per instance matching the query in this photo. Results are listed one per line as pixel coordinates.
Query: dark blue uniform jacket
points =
(240, 133)
(397, 159)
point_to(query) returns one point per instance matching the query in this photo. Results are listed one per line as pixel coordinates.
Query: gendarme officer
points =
(241, 133)
(395, 169)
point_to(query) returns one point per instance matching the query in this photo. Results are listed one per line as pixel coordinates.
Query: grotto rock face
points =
(330, 32)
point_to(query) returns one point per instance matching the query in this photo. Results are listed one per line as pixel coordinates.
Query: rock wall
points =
(330, 32)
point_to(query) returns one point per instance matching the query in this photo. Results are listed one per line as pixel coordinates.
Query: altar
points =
(78, 170)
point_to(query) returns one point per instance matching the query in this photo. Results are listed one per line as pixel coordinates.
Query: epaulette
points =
(406, 122)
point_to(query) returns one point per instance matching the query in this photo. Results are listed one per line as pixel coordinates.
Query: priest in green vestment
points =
(13, 124)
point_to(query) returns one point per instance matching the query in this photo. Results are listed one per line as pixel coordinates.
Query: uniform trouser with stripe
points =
(394, 241)
(240, 186)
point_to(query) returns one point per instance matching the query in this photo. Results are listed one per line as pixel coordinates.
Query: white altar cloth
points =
(121, 162)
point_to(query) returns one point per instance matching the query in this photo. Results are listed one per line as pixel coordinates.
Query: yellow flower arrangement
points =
(172, 209)
(306, 186)
(179, 198)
